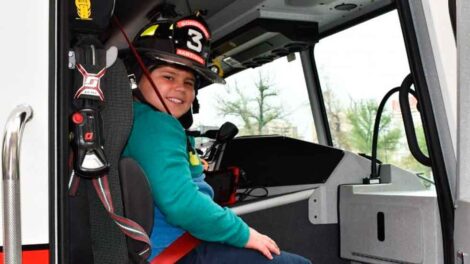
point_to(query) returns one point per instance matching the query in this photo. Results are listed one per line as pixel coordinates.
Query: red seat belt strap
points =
(178, 249)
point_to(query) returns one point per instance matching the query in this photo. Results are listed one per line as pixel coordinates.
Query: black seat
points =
(137, 200)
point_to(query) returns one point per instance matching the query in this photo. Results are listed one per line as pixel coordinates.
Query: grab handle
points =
(408, 121)
(11, 183)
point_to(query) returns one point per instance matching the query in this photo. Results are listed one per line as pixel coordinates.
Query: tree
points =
(255, 113)
(336, 118)
(361, 117)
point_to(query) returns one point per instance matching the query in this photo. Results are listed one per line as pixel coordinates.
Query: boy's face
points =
(176, 87)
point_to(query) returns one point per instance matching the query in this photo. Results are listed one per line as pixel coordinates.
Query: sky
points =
(363, 62)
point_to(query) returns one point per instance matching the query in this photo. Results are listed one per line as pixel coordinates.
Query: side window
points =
(356, 68)
(268, 100)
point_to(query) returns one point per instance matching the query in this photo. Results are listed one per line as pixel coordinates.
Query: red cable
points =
(185, 243)
(141, 64)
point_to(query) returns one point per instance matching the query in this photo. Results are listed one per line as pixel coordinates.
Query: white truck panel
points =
(24, 71)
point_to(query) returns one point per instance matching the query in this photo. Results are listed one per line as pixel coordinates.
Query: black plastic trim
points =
(63, 84)
(381, 226)
(33, 247)
(358, 20)
(319, 92)
(444, 196)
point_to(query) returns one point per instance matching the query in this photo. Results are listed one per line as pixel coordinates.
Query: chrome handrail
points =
(11, 183)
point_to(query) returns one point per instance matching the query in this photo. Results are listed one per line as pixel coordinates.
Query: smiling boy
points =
(183, 200)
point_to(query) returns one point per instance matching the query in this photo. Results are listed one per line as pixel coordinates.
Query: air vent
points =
(251, 64)
(345, 7)
(263, 60)
(307, 3)
(280, 52)
(294, 47)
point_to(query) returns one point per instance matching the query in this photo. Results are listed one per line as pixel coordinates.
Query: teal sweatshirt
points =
(158, 143)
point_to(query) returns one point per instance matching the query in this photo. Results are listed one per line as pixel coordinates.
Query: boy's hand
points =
(262, 243)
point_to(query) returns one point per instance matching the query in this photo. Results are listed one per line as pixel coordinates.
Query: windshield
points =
(268, 100)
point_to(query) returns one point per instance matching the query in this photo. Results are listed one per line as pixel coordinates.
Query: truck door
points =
(27, 93)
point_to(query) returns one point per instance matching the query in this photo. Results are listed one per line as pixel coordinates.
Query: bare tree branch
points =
(257, 112)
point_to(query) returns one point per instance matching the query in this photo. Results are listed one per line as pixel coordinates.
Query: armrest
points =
(271, 202)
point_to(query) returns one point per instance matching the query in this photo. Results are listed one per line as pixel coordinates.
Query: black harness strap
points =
(89, 159)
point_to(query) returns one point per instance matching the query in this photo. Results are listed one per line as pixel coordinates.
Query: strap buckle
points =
(89, 159)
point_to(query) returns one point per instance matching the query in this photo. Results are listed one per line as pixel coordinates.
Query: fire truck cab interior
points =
(316, 199)
(320, 202)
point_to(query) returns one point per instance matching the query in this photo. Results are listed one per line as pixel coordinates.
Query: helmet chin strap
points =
(142, 65)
